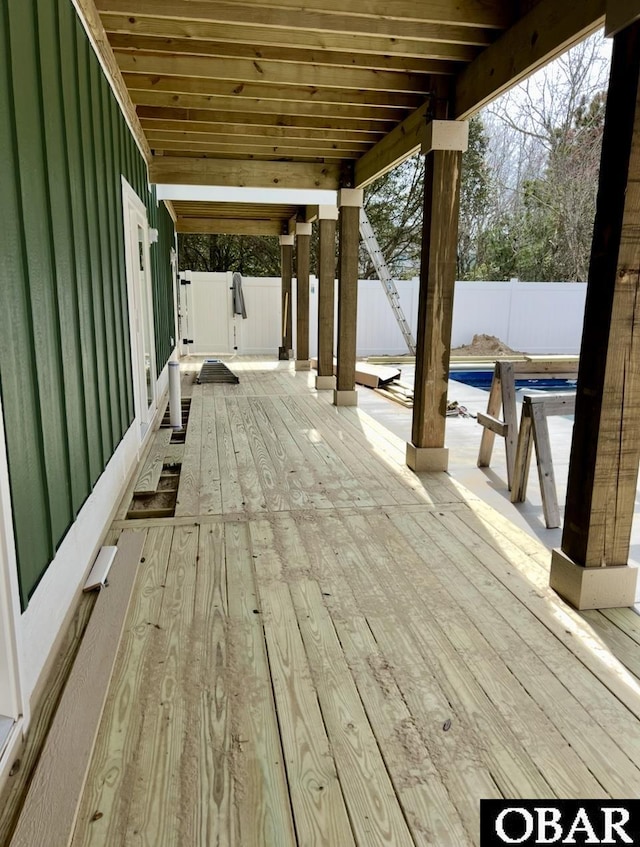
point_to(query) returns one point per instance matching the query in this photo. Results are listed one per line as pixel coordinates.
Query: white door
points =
(208, 313)
(143, 354)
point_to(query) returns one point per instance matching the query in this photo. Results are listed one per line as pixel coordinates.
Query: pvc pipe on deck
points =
(175, 400)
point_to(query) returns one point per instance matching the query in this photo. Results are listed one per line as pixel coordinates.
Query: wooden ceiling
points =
(234, 218)
(315, 93)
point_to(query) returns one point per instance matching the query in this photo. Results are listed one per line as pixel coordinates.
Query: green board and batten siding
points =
(65, 367)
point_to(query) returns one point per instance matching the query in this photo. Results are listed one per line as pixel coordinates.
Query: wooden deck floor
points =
(325, 649)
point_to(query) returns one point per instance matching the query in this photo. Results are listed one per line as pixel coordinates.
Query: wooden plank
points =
(262, 797)
(157, 809)
(594, 698)
(200, 139)
(236, 173)
(108, 786)
(232, 32)
(258, 15)
(421, 762)
(544, 462)
(316, 796)
(288, 491)
(501, 656)
(188, 499)
(273, 73)
(256, 36)
(262, 152)
(304, 459)
(49, 813)
(508, 387)
(271, 95)
(232, 496)
(149, 476)
(270, 118)
(210, 486)
(523, 456)
(254, 468)
(373, 806)
(611, 695)
(430, 813)
(489, 740)
(493, 424)
(213, 809)
(288, 54)
(559, 404)
(468, 12)
(228, 226)
(232, 126)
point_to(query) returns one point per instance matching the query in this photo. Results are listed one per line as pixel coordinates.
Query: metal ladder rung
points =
(377, 257)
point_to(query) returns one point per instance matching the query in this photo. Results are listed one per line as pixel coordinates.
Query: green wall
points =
(65, 369)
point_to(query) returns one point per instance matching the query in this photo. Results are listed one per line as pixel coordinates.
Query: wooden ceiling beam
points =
(305, 94)
(200, 128)
(282, 152)
(296, 55)
(484, 13)
(292, 144)
(251, 211)
(257, 36)
(212, 11)
(241, 173)
(547, 31)
(274, 73)
(229, 226)
(264, 112)
(394, 148)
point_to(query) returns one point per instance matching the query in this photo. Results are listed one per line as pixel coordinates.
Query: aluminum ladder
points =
(373, 248)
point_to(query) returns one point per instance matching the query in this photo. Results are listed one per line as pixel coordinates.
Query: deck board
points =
(326, 649)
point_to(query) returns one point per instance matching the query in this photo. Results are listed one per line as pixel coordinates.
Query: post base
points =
(592, 588)
(345, 398)
(303, 365)
(426, 459)
(283, 354)
(325, 383)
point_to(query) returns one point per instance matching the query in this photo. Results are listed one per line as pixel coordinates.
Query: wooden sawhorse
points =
(502, 394)
(536, 408)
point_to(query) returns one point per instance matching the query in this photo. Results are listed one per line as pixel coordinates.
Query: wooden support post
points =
(286, 270)
(426, 451)
(591, 570)
(502, 395)
(303, 240)
(327, 217)
(349, 203)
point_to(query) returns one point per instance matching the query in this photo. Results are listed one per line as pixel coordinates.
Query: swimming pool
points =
(482, 379)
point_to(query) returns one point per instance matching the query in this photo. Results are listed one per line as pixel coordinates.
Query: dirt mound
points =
(485, 345)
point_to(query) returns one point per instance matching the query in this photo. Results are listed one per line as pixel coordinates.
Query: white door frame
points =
(11, 697)
(140, 306)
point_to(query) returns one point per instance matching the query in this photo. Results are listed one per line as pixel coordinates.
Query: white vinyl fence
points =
(535, 317)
